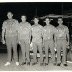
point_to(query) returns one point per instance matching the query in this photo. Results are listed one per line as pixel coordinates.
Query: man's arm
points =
(42, 32)
(3, 32)
(42, 35)
(55, 38)
(67, 35)
(30, 33)
(17, 28)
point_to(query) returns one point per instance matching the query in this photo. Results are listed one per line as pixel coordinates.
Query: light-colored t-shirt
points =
(24, 30)
(48, 32)
(62, 31)
(10, 27)
(37, 33)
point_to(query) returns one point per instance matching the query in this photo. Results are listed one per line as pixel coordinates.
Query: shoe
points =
(23, 63)
(17, 63)
(34, 63)
(58, 64)
(28, 63)
(7, 64)
(54, 63)
(46, 64)
(65, 65)
(41, 64)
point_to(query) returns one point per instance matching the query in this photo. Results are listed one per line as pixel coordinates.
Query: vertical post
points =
(62, 8)
(36, 12)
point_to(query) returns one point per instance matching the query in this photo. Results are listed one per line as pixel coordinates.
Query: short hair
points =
(24, 16)
(60, 18)
(46, 18)
(10, 13)
(36, 17)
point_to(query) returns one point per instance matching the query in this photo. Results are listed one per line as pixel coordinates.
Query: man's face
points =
(60, 21)
(47, 21)
(23, 18)
(36, 20)
(9, 15)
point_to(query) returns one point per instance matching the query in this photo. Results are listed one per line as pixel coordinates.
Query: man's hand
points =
(71, 49)
(55, 47)
(3, 41)
(31, 45)
(67, 45)
(19, 42)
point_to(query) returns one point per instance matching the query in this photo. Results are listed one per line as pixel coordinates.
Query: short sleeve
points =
(17, 27)
(30, 27)
(16, 22)
(41, 30)
(67, 30)
(4, 25)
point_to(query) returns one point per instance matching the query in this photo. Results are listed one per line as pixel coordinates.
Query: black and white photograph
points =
(35, 36)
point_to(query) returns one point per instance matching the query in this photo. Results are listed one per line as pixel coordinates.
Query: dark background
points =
(33, 9)
(29, 9)
(36, 9)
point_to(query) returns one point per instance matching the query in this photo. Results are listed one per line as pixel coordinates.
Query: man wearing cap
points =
(49, 40)
(62, 41)
(9, 36)
(37, 40)
(24, 37)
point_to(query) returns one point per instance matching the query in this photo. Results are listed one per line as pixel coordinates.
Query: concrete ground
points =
(37, 67)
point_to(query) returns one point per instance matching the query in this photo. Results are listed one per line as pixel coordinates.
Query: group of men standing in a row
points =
(48, 36)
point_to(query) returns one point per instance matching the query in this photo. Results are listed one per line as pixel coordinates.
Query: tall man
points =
(37, 41)
(49, 40)
(62, 41)
(9, 34)
(24, 37)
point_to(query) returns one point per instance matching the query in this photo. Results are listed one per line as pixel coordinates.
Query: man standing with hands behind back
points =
(49, 41)
(37, 40)
(24, 37)
(62, 41)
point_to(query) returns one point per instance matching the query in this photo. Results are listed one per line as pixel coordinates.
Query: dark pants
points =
(39, 46)
(49, 44)
(11, 42)
(25, 48)
(61, 44)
